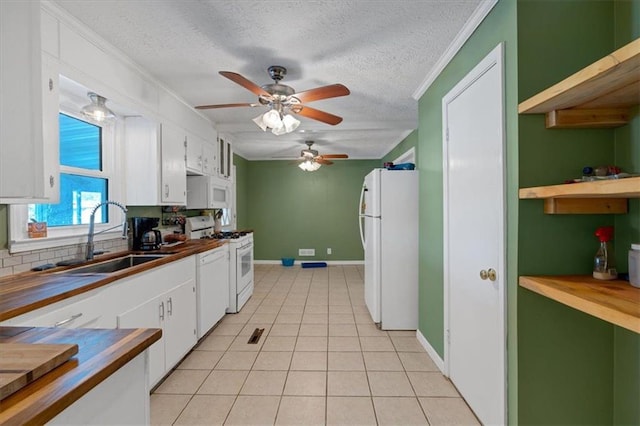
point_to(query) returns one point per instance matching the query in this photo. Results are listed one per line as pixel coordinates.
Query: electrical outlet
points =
(306, 252)
(329, 250)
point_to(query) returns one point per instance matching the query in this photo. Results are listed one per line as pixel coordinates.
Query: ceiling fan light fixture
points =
(309, 166)
(290, 123)
(279, 130)
(272, 119)
(97, 110)
(260, 122)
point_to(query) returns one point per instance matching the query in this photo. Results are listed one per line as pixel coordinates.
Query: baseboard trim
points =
(431, 351)
(298, 261)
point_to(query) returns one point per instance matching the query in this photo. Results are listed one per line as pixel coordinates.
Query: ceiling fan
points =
(310, 159)
(283, 99)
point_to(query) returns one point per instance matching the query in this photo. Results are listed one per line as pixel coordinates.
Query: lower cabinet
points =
(121, 399)
(164, 297)
(173, 312)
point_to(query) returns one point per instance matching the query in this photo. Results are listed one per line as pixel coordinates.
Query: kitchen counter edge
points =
(13, 287)
(101, 352)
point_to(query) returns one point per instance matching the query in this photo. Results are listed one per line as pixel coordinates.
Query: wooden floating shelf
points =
(609, 188)
(585, 205)
(617, 302)
(599, 95)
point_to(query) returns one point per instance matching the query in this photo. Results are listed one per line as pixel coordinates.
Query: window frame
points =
(19, 240)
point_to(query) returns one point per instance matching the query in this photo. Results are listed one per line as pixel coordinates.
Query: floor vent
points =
(255, 337)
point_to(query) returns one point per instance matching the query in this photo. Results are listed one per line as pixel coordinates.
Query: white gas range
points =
(240, 257)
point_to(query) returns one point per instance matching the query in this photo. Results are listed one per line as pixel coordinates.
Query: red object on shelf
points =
(604, 233)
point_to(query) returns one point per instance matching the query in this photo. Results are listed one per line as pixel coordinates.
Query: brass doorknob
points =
(492, 274)
(484, 274)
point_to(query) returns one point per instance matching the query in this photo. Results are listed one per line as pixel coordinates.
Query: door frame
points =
(494, 58)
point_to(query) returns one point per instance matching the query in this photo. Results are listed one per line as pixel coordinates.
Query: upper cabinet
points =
(154, 157)
(200, 156)
(599, 95)
(224, 162)
(29, 170)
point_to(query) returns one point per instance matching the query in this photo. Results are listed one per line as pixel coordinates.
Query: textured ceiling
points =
(381, 50)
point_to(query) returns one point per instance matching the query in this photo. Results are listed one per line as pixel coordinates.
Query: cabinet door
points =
(24, 170)
(194, 155)
(224, 158)
(208, 158)
(149, 315)
(180, 322)
(142, 159)
(51, 128)
(174, 171)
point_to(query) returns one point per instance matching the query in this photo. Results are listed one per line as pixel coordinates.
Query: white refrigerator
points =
(389, 234)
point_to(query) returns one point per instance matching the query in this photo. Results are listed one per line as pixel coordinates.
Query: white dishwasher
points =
(212, 287)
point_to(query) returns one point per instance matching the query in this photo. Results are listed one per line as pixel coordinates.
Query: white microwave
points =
(208, 192)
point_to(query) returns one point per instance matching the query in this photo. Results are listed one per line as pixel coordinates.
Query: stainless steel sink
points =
(115, 265)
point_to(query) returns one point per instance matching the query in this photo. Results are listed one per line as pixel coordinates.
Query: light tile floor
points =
(320, 361)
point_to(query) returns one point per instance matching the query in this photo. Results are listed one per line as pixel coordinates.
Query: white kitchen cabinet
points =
(86, 310)
(148, 315)
(200, 156)
(121, 399)
(173, 312)
(180, 322)
(155, 163)
(29, 97)
(224, 161)
(174, 170)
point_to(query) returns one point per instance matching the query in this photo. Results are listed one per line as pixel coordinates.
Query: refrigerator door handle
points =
(361, 213)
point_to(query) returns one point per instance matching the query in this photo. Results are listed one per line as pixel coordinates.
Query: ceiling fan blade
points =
(226, 106)
(316, 114)
(334, 156)
(322, 161)
(324, 92)
(247, 84)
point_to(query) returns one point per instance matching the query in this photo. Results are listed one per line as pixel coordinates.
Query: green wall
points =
(242, 168)
(291, 209)
(411, 141)
(498, 26)
(570, 363)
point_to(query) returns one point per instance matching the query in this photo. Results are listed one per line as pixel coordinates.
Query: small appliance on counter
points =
(145, 237)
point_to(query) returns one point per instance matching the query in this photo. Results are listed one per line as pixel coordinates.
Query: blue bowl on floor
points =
(287, 261)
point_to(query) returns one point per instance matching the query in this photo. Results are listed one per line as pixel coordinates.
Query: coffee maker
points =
(144, 236)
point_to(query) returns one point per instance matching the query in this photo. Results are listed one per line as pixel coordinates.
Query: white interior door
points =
(474, 188)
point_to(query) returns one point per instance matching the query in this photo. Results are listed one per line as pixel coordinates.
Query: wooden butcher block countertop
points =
(101, 352)
(22, 293)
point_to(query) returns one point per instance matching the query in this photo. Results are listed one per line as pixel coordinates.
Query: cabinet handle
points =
(166, 190)
(68, 320)
(170, 306)
(50, 84)
(161, 307)
(52, 181)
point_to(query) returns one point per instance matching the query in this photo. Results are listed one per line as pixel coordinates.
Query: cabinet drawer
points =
(84, 311)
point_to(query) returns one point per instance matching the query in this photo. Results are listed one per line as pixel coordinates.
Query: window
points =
(88, 176)
(82, 184)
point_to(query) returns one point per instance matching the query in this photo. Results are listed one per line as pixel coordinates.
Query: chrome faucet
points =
(92, 220)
